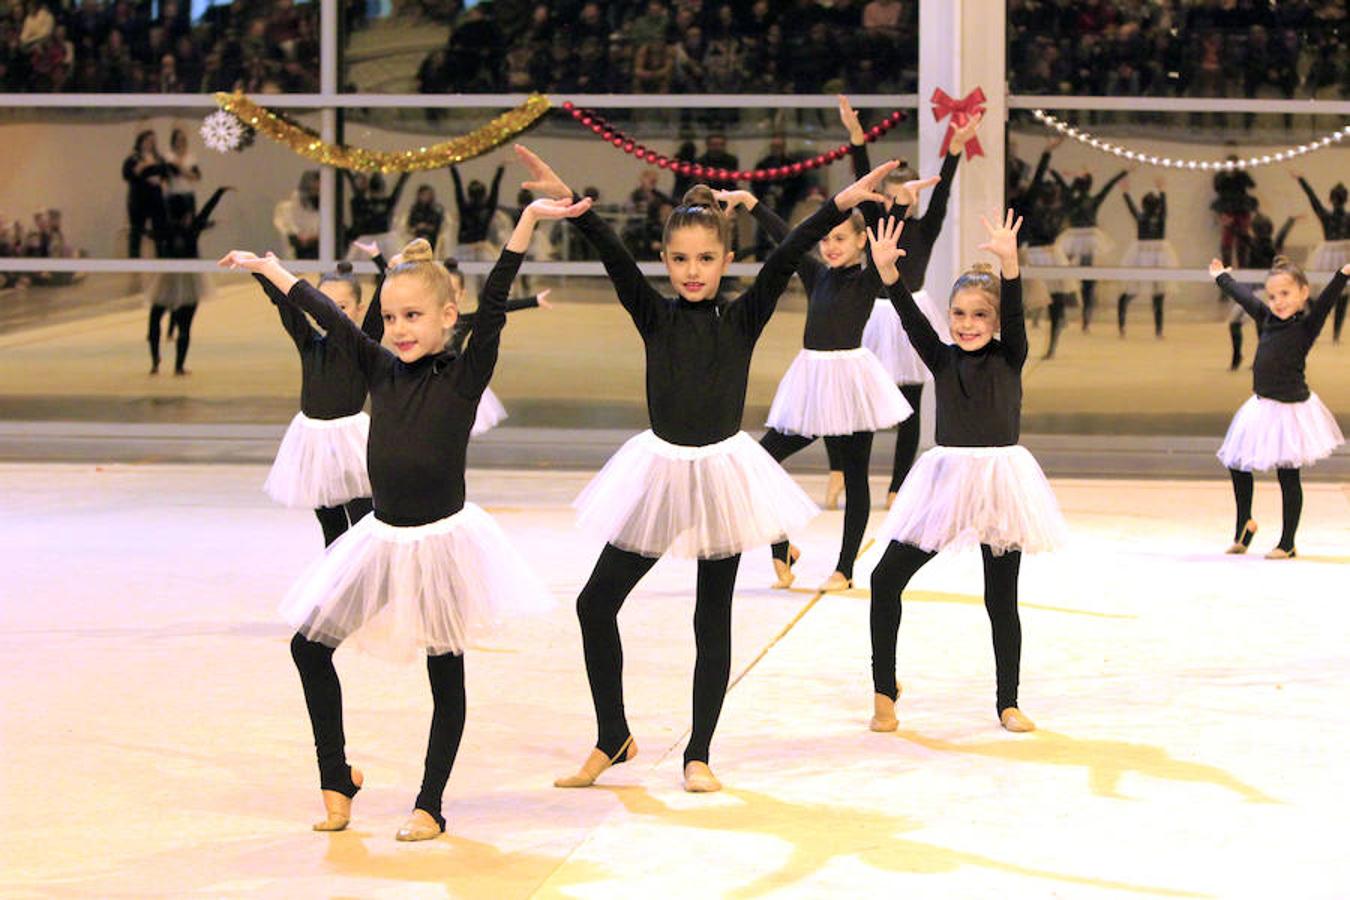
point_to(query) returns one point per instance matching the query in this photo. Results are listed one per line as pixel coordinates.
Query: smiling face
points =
(973, 319)
(843, 246)
(695, 258)
(1285, 295)
(415, 322)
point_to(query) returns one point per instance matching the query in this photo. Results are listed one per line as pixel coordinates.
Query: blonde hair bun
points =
(417, 250)
(982, 268)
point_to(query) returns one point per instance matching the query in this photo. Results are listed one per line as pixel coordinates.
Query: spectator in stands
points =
(715, 156)
(426, 216)
(297, 217)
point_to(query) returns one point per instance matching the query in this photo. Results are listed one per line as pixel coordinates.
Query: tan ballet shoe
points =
(338, 807)
(1013, 720)
(1278, 553)
(597, 763)
(836, 582)
(1244, 540)
(784, 569)
(420, 826)
(883, 714)
(699, 779)
(833, 488)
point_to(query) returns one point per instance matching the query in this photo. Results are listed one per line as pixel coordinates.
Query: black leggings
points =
(1291, 496)
(615, 575)
(180, 320)
(1058, 304)
(334, 520)
(1088, 292)
(1123, 303)
(1338, 317)
(853, 453)
(323, 697)
(889, 579)
(906, 440)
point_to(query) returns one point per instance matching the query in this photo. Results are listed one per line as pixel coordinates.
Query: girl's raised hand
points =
(733, 199)
(865, 188)
(1003, 240)
(885, 242)
(550, 208)
(849, 117)
(543, 179)
(962, 135)
(369, 248)
(542, 298)
(908, 195)
(244, 259)
(1217, 268)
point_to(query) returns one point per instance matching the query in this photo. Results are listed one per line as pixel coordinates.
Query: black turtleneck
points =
(1335, 222)
(421, 412)
(920, 233)
(979, 394)
(1149, 226)
(698, 354)
(1282, 351)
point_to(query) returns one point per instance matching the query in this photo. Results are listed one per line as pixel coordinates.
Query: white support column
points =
(961, 47)
(328, 130)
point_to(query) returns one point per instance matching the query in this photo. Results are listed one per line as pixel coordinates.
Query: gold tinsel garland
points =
(308, 144)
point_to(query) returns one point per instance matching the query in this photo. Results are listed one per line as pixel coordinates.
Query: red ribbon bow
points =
(961, 112)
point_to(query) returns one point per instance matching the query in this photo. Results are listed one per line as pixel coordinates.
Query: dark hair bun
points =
(451, 264)
(344, 268)
(1281, 262)
(699, 195)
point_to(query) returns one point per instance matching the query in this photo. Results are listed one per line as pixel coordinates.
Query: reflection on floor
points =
(581, 365)
(1191, 705)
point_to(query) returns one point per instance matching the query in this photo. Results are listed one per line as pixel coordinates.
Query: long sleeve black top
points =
(466, 321)
(838, 300)
(979, 394)
(920, 233)
(475, 218)
(1149, 226)
(181, 241)
(1261, 252)
(1282, 351)
(1041, 219)
(1335, 222)
(332, 385)
(698, 354)
(1082, 208)
(421, 412)
(143, 186)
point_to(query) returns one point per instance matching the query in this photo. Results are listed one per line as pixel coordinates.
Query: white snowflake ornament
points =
(222, 131)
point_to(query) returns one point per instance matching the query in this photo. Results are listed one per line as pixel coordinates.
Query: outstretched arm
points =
(292, 319)
(496, 186)
(1106, 188)
(398, 189)
(203, 217)
(1313, 199)
(1241, 294)
(1283, 233)
(1134, 210)
(884, 241)
(1319, 308)
(1012, 323)
(459, 189)
(777, 230)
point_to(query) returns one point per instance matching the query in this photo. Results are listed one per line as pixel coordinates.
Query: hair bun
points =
(344, 267)
(417, 250)
(699, 195)
(451, 264)
(982, 268)
(1281, 262)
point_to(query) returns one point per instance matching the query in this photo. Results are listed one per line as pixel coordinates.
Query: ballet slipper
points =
(833, 488)
(338, 806)
(890, 499)
(597, 763)
(836, 582)
(784, 569)
(1013, 719)
(1244, 540)
(1281, 553)
(420, 826)
(883, 714)
(699, 779)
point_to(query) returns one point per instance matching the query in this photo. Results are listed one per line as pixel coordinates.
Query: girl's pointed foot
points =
(784, 569)
(1013, 720)
(596, 764)
(836, 582)
(699, 779)
(833, 488)
(1243, 540)
(883, 712)
(338, 806)
(420, 826)
(1281, 553)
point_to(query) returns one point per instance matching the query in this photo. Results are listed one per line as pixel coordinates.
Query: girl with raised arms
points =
(694, 484)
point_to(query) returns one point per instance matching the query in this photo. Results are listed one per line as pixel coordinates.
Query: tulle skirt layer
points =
(890, 343)
(832, 392)
(1270, 434)
(491, 413)
(321, 462)
(1157, 254)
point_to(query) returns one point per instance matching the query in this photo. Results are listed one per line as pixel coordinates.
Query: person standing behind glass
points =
(144, 170)
(184, 173)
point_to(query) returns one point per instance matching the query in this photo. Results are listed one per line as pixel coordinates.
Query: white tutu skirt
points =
(398, 591)
(1269, 434)
(1050, 255)
(174, 289)
(1157, 254)
(890, 343)
(1076, 243)
(321, 462)
(490, 414)
(831, 392)
(958, 497)
(654, 497)
(1329, 256)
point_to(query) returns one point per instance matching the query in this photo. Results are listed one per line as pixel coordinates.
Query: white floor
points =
(1193, 713)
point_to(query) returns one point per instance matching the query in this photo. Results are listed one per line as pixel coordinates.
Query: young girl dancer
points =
(1260, 249)
(1044, 214)
(178, 293)
(1334, 251)
(978, 485)
(884, 335)
(321, 463)
(1149, 250)
(1083, 241)
(427, 570)
(694, 484)
(1284, 425)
